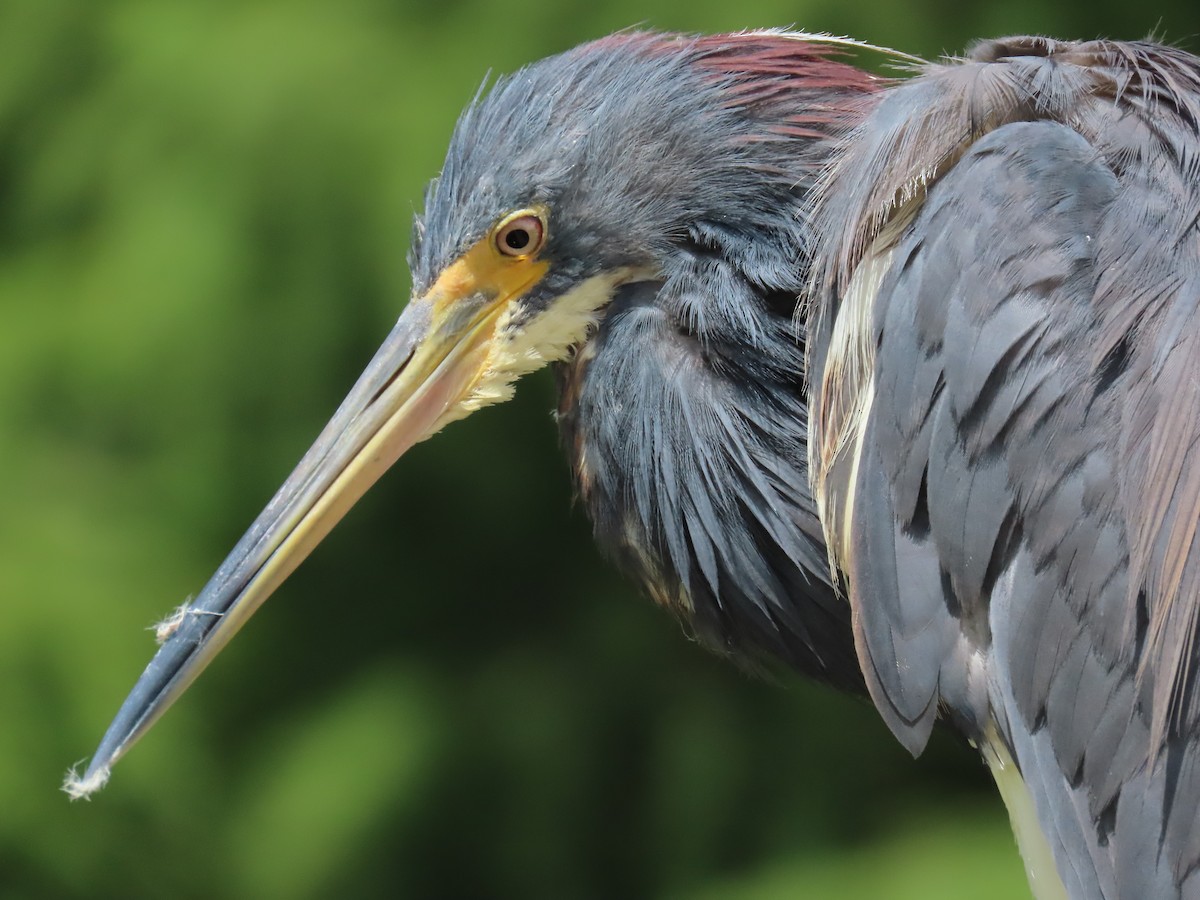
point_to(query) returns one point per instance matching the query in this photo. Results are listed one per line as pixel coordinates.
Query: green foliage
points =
(204, 211)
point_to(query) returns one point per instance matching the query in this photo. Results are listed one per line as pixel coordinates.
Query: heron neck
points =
(685, 421)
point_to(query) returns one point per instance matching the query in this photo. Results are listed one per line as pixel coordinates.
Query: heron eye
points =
(521, 235)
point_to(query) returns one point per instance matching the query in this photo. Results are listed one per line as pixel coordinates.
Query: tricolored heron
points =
(636, 210)
(641, 211)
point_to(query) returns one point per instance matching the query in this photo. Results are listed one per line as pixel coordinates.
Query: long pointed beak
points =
(417, 382)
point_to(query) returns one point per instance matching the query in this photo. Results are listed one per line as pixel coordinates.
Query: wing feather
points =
(1025, 499)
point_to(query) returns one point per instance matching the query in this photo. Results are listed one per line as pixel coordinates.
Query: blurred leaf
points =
(319, 787)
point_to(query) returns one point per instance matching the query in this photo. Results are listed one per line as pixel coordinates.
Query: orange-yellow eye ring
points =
(520, 234)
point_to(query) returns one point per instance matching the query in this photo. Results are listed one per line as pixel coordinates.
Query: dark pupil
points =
(517, 239)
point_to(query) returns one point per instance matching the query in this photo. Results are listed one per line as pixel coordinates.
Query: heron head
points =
(566, 181)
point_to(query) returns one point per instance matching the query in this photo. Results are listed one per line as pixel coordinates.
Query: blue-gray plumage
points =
(1015, 240)
(684, 413)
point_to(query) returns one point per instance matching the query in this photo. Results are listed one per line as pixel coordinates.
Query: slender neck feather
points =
(685, 418)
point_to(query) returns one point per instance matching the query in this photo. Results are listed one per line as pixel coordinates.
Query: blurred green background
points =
(204, 212)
